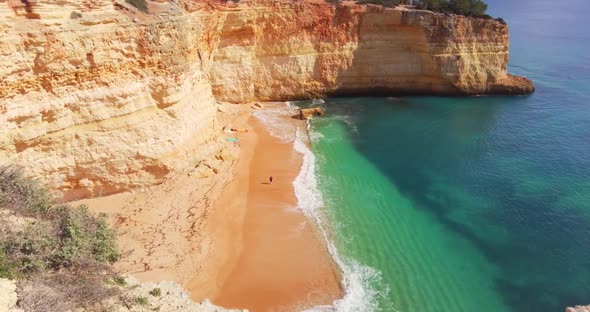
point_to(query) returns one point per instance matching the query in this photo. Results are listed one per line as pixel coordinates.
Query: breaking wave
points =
(274, 122)
(356, 278)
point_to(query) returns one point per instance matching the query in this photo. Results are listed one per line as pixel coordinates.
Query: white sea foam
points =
(315, 136)
(276, 123)
(359, 294)
(356, 278)
(291, 105)
(317, 101)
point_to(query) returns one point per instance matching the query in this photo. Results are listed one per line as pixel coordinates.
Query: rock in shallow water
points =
(306, 113)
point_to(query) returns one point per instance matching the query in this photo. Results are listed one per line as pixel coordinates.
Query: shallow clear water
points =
(472, 204)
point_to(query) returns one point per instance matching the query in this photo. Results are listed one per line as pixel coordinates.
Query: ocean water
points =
(466, 204)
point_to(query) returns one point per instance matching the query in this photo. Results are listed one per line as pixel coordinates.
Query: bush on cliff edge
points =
(60, 254)
(139, 4)
(475, 8)
(385, 3)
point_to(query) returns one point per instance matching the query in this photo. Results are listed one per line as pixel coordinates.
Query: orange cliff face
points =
(98, 98)
(298, 50)
(100, 104)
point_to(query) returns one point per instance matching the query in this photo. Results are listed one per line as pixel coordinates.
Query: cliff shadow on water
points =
(468, 164)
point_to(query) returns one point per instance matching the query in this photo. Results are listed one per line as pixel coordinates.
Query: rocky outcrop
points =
(302, 50)
(100, 104)
(578, 309)
(97, 97)
(306, 113)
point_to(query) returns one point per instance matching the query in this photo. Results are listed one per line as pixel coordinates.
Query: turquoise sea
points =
(473, 203)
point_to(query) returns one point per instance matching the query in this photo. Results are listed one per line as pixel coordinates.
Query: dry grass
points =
(65, 291)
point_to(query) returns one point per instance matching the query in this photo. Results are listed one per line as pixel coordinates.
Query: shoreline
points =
(283, 263)
(230, 238)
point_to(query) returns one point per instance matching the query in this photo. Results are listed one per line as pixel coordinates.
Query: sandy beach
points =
(283, 264)
(234, 237)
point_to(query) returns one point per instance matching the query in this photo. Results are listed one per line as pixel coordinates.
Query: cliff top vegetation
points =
(476, 8)
(60, 254)
(473, 8)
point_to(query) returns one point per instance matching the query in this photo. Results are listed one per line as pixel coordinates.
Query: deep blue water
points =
(477, 203)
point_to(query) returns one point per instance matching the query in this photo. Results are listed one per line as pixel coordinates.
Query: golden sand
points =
(234, 238)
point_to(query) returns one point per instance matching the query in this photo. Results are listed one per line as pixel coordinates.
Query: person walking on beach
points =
(270, 179)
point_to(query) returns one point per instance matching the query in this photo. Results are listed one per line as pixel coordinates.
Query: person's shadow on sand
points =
(264, 183)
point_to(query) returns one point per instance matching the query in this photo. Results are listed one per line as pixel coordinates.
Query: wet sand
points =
(282, 262)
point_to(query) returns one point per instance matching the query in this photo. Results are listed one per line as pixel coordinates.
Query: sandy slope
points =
(229, 237)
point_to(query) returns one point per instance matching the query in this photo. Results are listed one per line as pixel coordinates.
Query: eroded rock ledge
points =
(97, 97)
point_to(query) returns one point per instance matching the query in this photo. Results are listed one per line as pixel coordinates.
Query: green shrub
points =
(385, 3)
(84, 237)
(22, 195)
(104, 247)
(54, 237)
(60, 254)
(71, 237)
(156, 292)
(7, 268)
(29, 250)
(433, 5)
(139, 4)
(141, 300)
(476, 8)
(119, 280)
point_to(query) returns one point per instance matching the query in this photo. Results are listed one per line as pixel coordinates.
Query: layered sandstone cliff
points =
(295, 50)
(97, 97)
(100, 104)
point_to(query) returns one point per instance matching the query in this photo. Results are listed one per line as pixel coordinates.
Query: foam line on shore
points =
(273, 121)
(356, 278)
